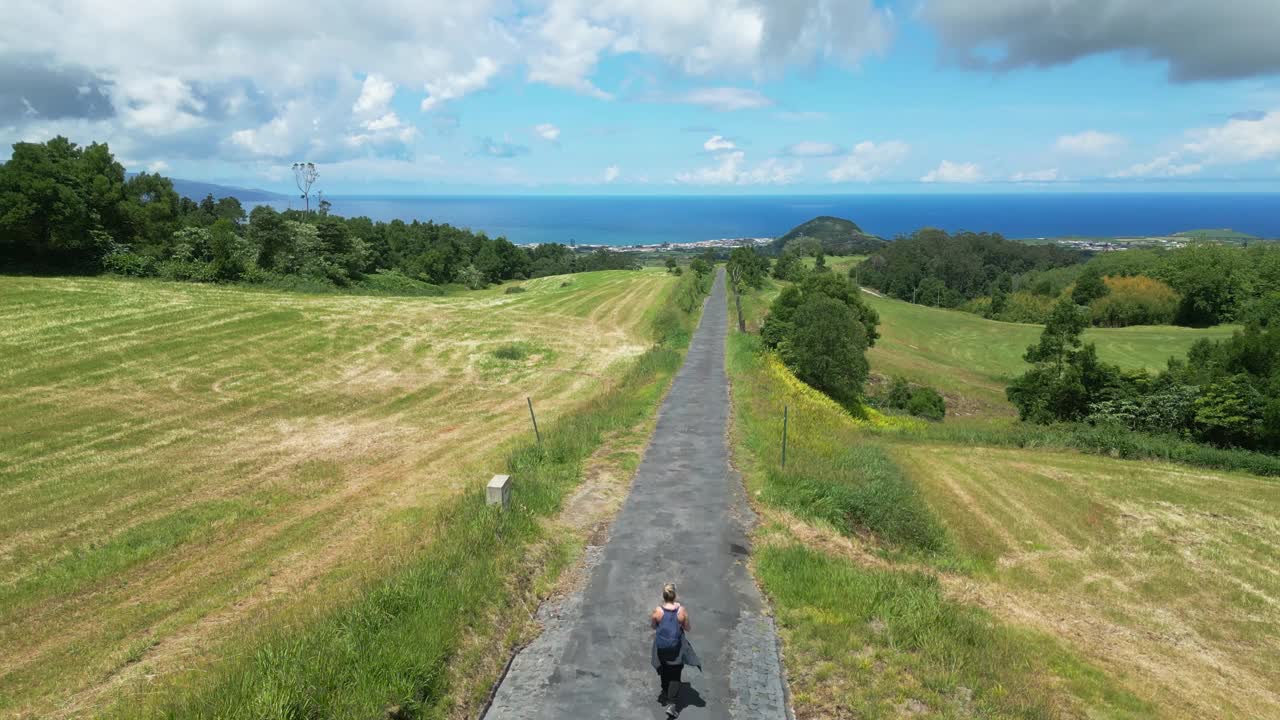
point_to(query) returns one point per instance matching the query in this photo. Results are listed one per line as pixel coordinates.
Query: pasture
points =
(183, 464)
(1163, 575)
(972, 357)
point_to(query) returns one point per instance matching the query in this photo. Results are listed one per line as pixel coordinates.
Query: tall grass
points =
(899, 646)
(835, 472)
(393, 646)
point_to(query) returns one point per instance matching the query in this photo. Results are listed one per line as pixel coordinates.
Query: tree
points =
(746, 269)
(827, 349)
(1089, 286)
(820, 261)
(1067, 375)
(700, 266)
(269, 236)
(672, 264)
(1214, 281)
(788, 268)
(305, 175)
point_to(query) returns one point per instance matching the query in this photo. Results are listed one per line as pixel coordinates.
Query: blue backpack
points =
(670, 634)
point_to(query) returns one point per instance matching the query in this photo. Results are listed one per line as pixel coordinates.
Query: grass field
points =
(915, 571)
(182, 464)
(1162, 575)
(971, 357)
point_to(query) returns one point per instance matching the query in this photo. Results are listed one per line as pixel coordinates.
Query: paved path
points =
(685, 521)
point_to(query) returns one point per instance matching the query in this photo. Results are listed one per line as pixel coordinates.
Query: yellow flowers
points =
(817, 400)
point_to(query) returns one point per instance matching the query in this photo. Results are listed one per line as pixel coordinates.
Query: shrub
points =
(899, 393)
(128, 264)
(1135, 300)
(921, 400)
(927, 403)
(514, 351)
(394, 282)
(514, 290)
(1024, 307)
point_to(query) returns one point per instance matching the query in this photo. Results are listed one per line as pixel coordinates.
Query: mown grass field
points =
(915, 571)
(972, 357)
(1164, 575)
(184, 464)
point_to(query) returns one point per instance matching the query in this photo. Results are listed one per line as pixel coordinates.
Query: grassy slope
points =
(1164, 576)
(1067, 585)
(963, 354)
(184, 463)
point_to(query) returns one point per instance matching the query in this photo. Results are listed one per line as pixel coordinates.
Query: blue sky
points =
(663, 96)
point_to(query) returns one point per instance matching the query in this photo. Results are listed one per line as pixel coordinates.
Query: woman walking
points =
(671, 648)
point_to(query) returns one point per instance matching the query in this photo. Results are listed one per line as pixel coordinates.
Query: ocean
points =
(634, 220)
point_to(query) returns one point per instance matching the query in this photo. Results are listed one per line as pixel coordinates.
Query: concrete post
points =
(498, 491)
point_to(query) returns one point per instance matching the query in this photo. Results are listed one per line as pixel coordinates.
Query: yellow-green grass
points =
(972, 358)
(1164, 576)
(182, 464)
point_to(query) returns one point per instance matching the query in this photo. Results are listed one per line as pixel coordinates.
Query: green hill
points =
(836, 236)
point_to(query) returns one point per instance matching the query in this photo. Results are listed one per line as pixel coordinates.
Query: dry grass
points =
(180, 464)
(1164, 576)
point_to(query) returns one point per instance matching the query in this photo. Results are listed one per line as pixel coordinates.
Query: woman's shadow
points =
(688, 697)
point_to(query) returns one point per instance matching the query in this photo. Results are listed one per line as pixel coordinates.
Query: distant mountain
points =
(836, 236)
(197, 190)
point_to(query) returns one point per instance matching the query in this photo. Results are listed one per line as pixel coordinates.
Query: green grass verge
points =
(832, 473)
(886, 644)
(393, 645)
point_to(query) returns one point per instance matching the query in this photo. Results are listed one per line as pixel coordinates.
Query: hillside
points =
(184, 465)
(971, 357)
(198, 190)
(977, 568)
(836, 236)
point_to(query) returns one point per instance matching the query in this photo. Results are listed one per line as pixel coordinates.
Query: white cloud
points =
(375, 95)
(158, 166)
(1089, 142)
(1239, 140)
(717, 143)
(157, 104)
(611, 173)
(456, 85)
(869, 161)
(271, 139)
(1035, 176)
(1165, 166)
(812, 148)
(725, 99)
(949, 172)
(702, 37)
(730, 169)
(388, 128)
(547, 132)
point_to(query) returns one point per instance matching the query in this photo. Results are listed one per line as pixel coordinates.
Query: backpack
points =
(670, 634)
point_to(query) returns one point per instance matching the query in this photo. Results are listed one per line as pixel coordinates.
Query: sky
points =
(659, 96)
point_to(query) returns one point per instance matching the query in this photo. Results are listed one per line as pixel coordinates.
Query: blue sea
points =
(633, 220)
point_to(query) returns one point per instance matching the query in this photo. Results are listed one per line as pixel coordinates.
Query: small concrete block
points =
(498, 491)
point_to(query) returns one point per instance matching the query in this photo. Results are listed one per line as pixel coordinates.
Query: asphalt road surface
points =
(685, 521)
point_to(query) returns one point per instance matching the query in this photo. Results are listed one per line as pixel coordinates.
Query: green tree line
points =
(71, 209)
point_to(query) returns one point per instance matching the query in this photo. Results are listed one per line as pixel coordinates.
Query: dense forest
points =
(1198, 285)
(71, 209)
